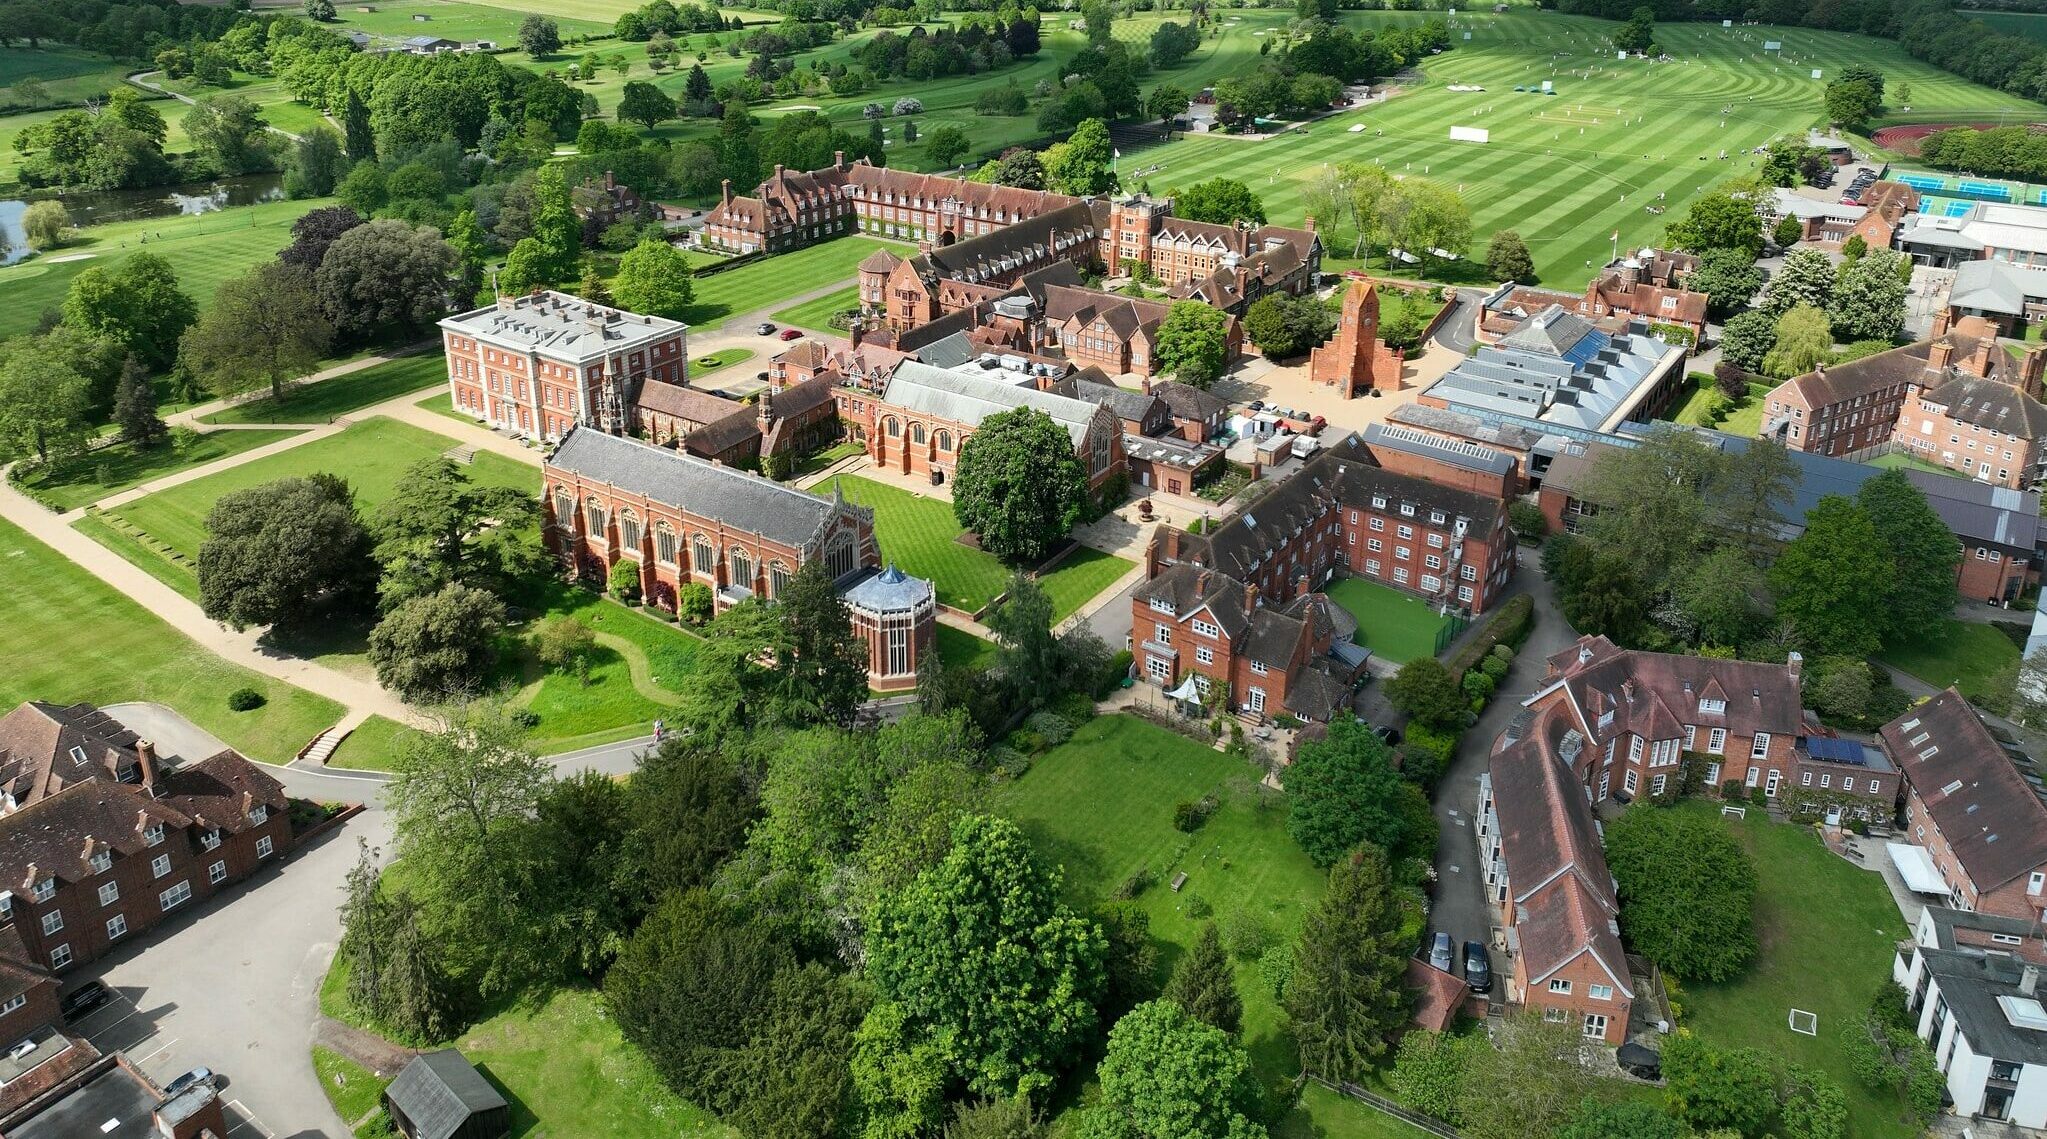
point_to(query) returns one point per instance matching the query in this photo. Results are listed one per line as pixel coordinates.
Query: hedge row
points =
(1509, 626)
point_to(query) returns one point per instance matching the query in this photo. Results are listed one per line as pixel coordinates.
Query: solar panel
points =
(1835, 750)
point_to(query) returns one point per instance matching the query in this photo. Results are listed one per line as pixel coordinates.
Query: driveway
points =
(1460, 908)
(1460, 330)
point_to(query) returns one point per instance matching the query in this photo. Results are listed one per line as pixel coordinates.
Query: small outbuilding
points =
(440, 1095)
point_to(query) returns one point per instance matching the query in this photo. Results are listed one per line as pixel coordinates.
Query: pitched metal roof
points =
(740, 500)
(439, 1091)
(966, 398)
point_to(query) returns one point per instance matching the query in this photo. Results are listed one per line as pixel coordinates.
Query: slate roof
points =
(1839, 383)
(439, 1091)
(1188, 402)
(1991, 403)
(560, 326)
(969, 399)
(1654, 694)
(887, 591)
(740, 500)
(41, 745)
(1971, 981)
(221, 790)
(1992, 821)
(55, 836)
(1034, 239)
(1188, 588)
(685, 402)
(1134, 406)
(721, 435)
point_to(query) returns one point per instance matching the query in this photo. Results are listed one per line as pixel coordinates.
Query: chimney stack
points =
(610, 182)
(839, 159)
(145, 758)
(1250, 596)
(1940, 354)
(2029, 980)
(1942, 321)
(725, 192)
(1309, 225)
(1794, 664)
(1979, 360)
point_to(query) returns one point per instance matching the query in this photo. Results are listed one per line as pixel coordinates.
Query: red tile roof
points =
(1986, 811)
(1439, 995)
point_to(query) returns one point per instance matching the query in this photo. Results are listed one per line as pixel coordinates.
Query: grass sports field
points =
(1569, 170)
(203, 249)
(1397, 627)
(68, 75)
(322, 401)
(772, 280)
(453, 20)
(114, 650)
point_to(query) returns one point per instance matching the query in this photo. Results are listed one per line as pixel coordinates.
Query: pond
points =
(98, 207)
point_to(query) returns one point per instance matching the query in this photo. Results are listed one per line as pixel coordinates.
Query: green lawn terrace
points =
(1568, 171)
(395, 20)
(69, 76)
(774, 280)
(1826, 930)
(202, 249)
(1397, 627)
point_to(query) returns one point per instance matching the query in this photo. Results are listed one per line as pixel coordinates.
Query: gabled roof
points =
(969, 399)
(46, 747)
(1186, 401)
(685, 402)
(1991, 818)
(439, 1092)
(743, 501)
(1991, 403)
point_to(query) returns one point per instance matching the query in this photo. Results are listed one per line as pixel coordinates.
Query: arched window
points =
(629, 528)
(664, 543)
(944, 439)
(742, 569)
(703, 556)
(1101, 451)
(916, 433)
(838, 556)
(778, 580)
(595, 511)
(564, 507)
(891, 427)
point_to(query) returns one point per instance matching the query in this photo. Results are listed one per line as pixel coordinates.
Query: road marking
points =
(159, 1050)
(1454, 870)
(248, 1120)
(132, 1010)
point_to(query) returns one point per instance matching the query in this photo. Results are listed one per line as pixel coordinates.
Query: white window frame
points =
(1559, 985)
(159, 866)
(217, 873)
(110, 893)
(53, 922)
(1716, 742)
(60, 956)
(1600, 992)
(176, 896)
(264, 847)
(1759, 748)
(117, 927)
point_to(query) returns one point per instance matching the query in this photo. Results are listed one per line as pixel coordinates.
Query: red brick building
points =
(918, 423)
(685, 520)
(1649, 285)
(1356, 360)
(794, 208)
(605, 203)
(101, 840)
(541, 364)
(1547, 880)
(1968, 806)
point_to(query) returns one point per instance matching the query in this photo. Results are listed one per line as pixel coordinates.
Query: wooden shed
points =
(440, 1095)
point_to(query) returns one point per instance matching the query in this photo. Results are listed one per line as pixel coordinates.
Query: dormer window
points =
(101, 862)
(259, 815)
(45, 890)
(78, 755)
(1712, 707)
(210, 840)
(153, 835)
(1161, 606)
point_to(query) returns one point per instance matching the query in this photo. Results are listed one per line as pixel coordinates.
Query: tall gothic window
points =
(742, 569)
(664, 543)
(629, 528)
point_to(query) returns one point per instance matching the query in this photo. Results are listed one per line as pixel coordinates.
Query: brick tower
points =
(1355, 360)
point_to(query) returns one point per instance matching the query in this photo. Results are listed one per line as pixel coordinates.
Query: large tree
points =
(1167, 1075)
(1830, 580)
(45, 404)
(1345, 1000)
(1083, 165)
(645, 104)
(1805, 278)
(135, 406)
(384, 281)
(1653, 500)
(1728, 277)
(1425, 690)
(1342, 790)
(1869, 297)
(539, 36)
(1710, 1087)
(1718, 220)
(689, 810)
(1527, 1083)
(1019, 486)
(228, 131)
(1923, 552)
(824, 675)
(439, 528)
(1746, 339)
(285, 553)
(1205, 985)
(1507, 259)
(1687, 891)
(1804, 340)
(653, 278)
(438, 646)
(1626, 1119)
(137, 304)
(1284, 325)
(981, 959)
(1193, 343)
(1224, 201)
(314, 232)
(264, 328)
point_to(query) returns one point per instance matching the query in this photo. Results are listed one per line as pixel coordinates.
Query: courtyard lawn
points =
(68, 636)
(1080, 576)
(1395, 626)
(1905, 461)
(816, 315)
(372, 746)
(772, 280)
(961, 649)
(1101, 805)
(1324, 1114)
(919, 534)
(1967, 654)
(322, 401)
(203, 249)
(1827, 930)
(1703, 402)
(110, 470)
(354, 1090)
(372, 455)
(639, 671)
(718, 361)
(1567, 171)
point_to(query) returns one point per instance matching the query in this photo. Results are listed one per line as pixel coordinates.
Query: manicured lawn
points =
(1079, 577)
(1101, 805)
(844, 449)
(1963, 653)
(816, 315)
(1323, 1114)
(458, 21)
(322, 401)
(68, 75)
(354, 1090)
(203, 249)
(918, 534)
(1827, 930)
(771, 280)
(640, 670)
(1395, 626)
(444, 404)
(372, 455)
(1702, 400)
(718, 361)
(372, 746)
(67, 636)
(960, 649)
(110, 470)
(1904, 461)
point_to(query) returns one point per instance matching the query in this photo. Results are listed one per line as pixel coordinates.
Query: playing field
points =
(450, 19)
(773, 280)
(68, 75)
(203, 249)
(1571, 169)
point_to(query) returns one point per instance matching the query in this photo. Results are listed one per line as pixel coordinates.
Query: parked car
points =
(1440, 954)
(1257, 405)
(765, 329)
(22, 1048)
(1391, 736)
(1478, 969)
(84, 999)
(791, 333)
(191, 1079)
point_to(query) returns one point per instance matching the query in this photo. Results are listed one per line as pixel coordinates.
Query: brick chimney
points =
(1940, 354)
(1794, 665)
(856, 331)
(1942, 321)
(1250, 596)
(725, 192)
(1309, 225)
(610, 182)
(1979, 360)
(839, 159)
(2033, 370)
(2029, 980)
(778, 170)
(145, 758)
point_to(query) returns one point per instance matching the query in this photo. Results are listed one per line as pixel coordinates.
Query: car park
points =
(191, 1079)
(765, 329)
(1478, 968)
(791, 333)
(84, 999)
(1440, 954)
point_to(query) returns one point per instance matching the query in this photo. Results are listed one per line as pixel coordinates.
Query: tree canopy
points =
(1019, 485)
(1687, 891)
(1342, 790)
(285, 553)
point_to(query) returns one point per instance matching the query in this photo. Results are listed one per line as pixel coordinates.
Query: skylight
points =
(2023, 1012)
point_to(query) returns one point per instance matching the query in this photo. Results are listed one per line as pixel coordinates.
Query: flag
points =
(1616, 235)
(1116, 153)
